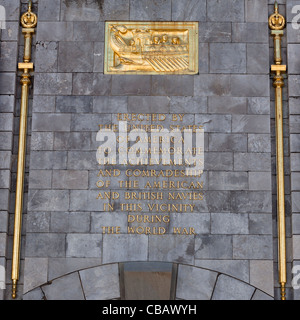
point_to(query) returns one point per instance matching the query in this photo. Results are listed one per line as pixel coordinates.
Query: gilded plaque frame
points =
(155, 48)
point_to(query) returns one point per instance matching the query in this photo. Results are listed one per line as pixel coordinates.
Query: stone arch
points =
(102, 282)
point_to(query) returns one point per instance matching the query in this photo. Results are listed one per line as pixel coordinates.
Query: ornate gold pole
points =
(28, 21)
(277, 24)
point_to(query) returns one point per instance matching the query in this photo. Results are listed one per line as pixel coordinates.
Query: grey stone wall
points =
(232, 96)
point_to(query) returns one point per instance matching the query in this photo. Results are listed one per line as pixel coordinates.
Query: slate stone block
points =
(215, 32)
(295, 142)
(214, 123)
(259, 143)
(258, 105)
(256, 10)
(98, 56)
(72, 104)
(51, 122)
(4, 179)
(252, 247)
(8, 57)
(83, 245)
(260, 181)
(251, 201)
(173, 248)
(45, 245)
(191, 10)
(7, 83)
(172, 85)
(106, 286)
(88, 31)
(46, 56)
(71, 222)
(89, 122)
(213, 247)
(150, 10)
(227, 142)
(261, 275)
(70, 179)
(251, 123)
(250, 32)
(95, 11)
(228, 288)
(42, 141)
(104, 219)
(187, 283)
(91, 84)
(53, 83)
(7, 103)
(43, 104)
(6, 121)
(75, 58)
(43, 160)
(3, 221)
(49, 10)
(229, 223)
(199, 221)
(48, 200)
(295, 161)
(228, 10)
(260, 223)
(38, 222)
(257, 58)
(148, 104)
(3, 244)
(294, 85)
(252, 162)
(65, 288)
(188, 104)
(123, 85)
(35, 273)
(228, 180)
(227, 58)
(296, 201)
(86, 200)
(105, 104)
(5, 159)
(123, 247)
(203, 62)
(250, 85)
(72, 141)
(227, 105)
(218, 161)
(212, 85)
(54, 31)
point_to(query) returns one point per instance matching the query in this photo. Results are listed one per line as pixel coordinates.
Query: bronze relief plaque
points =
(141, 47)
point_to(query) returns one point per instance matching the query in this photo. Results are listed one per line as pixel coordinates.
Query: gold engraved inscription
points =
(151, 47)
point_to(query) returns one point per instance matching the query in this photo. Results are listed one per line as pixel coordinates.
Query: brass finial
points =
(276, 20)
(276, 7)
(29, 19)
